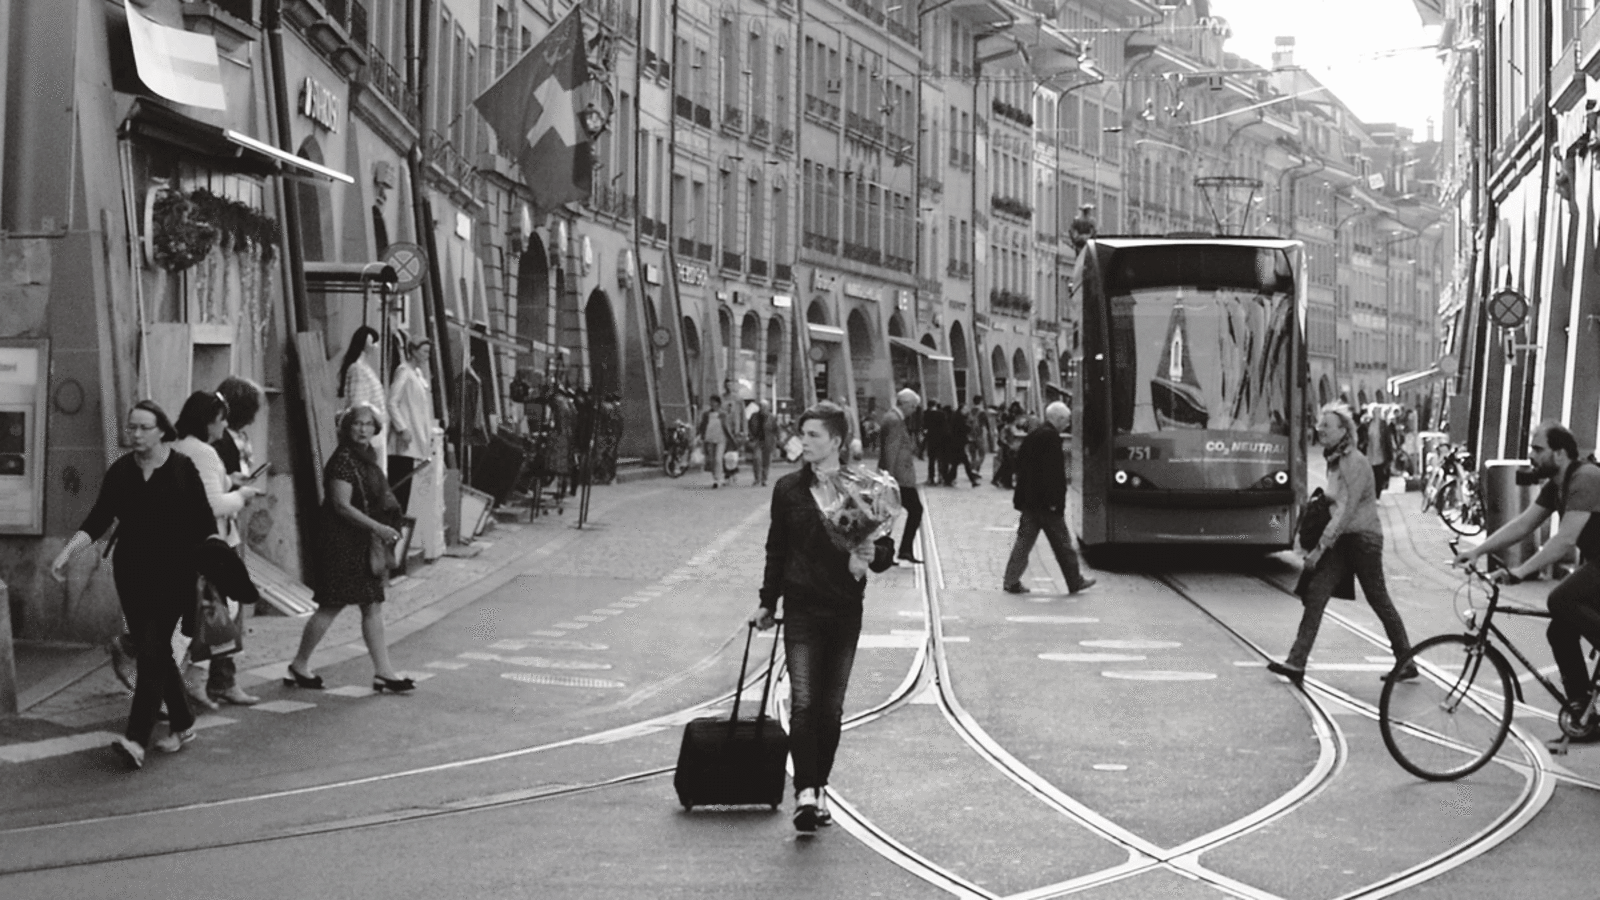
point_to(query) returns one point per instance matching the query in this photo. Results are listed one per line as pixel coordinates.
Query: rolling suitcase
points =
(729, 762)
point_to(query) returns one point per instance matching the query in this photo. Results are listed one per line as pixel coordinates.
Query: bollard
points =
(8, 661)
(1503, 500)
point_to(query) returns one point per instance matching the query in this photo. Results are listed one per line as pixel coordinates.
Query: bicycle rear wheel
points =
(1452, 720)
(1458, 506)
(675, 463)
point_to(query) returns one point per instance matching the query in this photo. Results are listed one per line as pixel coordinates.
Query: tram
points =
(1189, 419)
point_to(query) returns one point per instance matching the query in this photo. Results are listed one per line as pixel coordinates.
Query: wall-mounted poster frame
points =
(24, 381)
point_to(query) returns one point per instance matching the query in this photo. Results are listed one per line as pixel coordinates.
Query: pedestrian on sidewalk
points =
(715, 434)
(1572, 490)
(202, 421)
(1351, 542)
(896, 458)
(822, 588)
(359, 508)
(159, 504)
(1040, 499)
(763, 439)
(411, 406)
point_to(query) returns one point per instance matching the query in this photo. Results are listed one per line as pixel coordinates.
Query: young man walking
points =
(1040, 498)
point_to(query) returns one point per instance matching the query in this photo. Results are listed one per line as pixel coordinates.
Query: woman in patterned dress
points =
(359, 505)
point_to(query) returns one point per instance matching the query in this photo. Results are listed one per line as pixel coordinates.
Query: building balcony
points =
(684, 107)
(1011, 206)
(783, 273)
(686, 247)
(758, 268)
(702, 116)
(760, 129)
(732, 118)
(956, 269)
(785, 140)
(1010, 302)
(820, 243)
(611, 202)
(384, 79)
(231, 23)
(861, 253)
(702, 252)
(732, 262)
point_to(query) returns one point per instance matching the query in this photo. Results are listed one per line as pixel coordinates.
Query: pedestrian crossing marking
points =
(1092, 657)
(452, 666)
(283, 706)
(1157, 675)
(351, 690)
(60, 746)
(590, 619)
(572, 626)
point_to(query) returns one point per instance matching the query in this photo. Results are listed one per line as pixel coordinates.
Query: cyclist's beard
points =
(1548, 470)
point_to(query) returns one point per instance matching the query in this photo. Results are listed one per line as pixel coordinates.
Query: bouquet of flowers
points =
(858, 505)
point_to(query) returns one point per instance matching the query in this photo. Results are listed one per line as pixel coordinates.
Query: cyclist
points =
(1573, 490)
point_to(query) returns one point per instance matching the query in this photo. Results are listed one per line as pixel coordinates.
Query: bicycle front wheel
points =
(1452, 720)
(1458, 507)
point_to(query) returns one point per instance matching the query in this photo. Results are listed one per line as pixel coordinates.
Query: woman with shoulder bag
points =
(358, 509)
(201, 423)
(1352, 542)
(159, 504)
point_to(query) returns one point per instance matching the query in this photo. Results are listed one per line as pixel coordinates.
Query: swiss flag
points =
(533, 111)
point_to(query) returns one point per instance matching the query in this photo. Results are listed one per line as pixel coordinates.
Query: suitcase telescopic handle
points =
(744, 665)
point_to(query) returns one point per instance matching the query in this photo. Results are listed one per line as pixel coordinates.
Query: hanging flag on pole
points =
(535, 113)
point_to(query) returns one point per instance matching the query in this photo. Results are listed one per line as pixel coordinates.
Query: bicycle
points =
(1452, 491)
(676, 450)
(1451, 720)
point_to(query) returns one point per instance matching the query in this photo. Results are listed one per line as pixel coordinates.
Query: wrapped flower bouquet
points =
(858, 505)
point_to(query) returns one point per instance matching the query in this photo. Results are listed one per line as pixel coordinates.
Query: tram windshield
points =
(1201, 378)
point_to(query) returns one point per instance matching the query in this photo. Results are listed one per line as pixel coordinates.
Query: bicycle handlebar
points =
(1483, 575)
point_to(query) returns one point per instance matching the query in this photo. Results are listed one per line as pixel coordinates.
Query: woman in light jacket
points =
(1352, 542)
(202, 421)
(411, 422)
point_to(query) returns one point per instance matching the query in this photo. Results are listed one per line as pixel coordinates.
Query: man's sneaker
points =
(1017, 589)
(1295, 676)
(1084, 585)
(824, 817)
(1409, 673)
(175, 741)
(805, 812)
(129, 752)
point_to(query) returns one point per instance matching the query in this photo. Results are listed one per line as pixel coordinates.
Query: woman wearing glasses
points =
(159, 503)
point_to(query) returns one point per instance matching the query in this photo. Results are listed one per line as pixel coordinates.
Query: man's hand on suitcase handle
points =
(762, 618)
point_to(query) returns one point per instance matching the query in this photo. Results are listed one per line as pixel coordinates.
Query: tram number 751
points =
(1137, 452)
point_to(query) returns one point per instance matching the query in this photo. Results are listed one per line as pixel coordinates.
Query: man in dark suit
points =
(1040, 497)
(934, 438)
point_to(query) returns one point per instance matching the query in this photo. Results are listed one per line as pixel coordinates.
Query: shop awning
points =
(921, 350)
(1415, 379)
(225, 148)
(498, 338)
(825, 332)
(350, 278)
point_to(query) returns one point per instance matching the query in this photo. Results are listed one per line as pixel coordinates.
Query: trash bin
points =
(1504, 498)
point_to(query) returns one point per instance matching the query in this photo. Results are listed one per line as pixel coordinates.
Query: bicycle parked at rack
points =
(1452, 719)
(1452, 492)
(676, 449)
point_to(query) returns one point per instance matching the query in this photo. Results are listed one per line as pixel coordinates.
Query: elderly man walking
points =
(896, 458)
(1040, 498)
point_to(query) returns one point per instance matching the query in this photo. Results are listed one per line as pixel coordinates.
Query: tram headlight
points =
(1121, 477)
(1280, 477)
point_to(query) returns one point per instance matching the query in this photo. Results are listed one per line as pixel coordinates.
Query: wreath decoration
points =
(185, 228)
(181, 237)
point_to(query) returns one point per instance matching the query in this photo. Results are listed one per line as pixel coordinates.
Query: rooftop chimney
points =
(1283, 51)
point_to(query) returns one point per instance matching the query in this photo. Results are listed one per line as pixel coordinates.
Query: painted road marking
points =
(1157, 675)
(1091, 657)
(572, 626)
(566, 645)
(1052, 620)
(1110, 767)
(283, 706)
(508, 645)
(590, 619)
(547, 633)
(351, 690)
(560, 680)
(441, 664)
(72, 743)
(603, 612)
(1135, 644)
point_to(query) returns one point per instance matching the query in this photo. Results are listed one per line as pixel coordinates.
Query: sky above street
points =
(1349, 46)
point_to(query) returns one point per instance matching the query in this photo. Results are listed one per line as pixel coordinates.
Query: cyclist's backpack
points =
(1314, 518)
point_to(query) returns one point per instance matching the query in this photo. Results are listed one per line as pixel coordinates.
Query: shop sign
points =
(692, 275)
(823, 281)
(782, 301)
(319, 104)
(902, 300)
(860, 291)
(652, 273)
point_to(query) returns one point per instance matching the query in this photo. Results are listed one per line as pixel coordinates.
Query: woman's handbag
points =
(380, 556)
(697, 457)
(218, 623)
(1314, 518)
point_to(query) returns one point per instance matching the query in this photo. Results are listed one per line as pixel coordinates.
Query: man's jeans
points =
(1054, 526)
(1575, 613)
(911, 501)
(821, 650)
(1363, 554)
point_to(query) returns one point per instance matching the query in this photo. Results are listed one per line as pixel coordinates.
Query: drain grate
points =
(561, 680)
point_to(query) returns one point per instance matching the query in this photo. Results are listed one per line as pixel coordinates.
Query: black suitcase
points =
(728, 762)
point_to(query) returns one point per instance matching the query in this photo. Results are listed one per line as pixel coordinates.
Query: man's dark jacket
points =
(1041, 469)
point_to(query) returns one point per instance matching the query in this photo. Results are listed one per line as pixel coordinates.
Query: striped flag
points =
(179, 65)
(534, 112)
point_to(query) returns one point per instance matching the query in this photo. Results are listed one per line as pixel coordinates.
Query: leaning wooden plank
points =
(279, 588)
